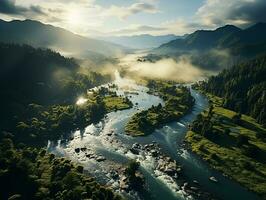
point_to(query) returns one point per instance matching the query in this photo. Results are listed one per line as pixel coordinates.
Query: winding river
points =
(108, 147)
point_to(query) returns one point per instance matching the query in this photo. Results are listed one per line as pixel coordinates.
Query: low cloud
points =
(168, 69)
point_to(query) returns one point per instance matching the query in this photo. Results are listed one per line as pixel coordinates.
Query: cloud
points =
(238, 12)
(177, 27)
(182, 70)
(137, 30)
(10, 7)
(89, 17)
(124, 12)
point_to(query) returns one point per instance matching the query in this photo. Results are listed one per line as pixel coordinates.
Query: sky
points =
(134, 17)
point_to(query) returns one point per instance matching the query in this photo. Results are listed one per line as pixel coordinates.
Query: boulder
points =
(136, 146)
(154, 153)
(134, 151)
(100, 159)
(83, 149)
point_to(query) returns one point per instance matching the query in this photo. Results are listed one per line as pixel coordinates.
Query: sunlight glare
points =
(81, 101)
(74, 17)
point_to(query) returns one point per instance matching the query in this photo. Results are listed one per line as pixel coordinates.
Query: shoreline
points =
(188, 147)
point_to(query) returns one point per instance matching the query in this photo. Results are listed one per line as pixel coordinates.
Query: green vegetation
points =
(178, 101)
(114, 103)
(135, 180)
(39, 92)
(29, 173)
(43, 123)
(232, 143)
(243, 88)
(39, 89)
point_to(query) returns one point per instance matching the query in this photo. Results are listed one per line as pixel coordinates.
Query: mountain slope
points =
(37, 34)
(217, 49)
(227, 37)
(39, 89)
(144, 41)
(250, 36)
(41, 76)
(199, 40)
(243, 87)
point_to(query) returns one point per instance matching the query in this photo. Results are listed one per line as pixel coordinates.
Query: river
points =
(107, 142)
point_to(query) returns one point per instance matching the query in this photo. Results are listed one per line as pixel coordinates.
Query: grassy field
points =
(178, 101)
(116, 103)
(245, 163)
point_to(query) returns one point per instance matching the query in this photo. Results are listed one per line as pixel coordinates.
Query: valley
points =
(134, 100)
(96, 136)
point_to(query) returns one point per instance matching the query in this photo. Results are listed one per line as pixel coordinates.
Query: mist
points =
(181, 70)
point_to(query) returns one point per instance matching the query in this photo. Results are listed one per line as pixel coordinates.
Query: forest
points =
(39, 89)
(30, 173)
(242, 88)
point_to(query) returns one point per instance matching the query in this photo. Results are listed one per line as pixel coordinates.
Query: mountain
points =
(243, 88)
(216, 49)
(41, 76)
(227, 37)
(42, 79)
(37, 34)
(199, 40)
(250, 36)
(144, 41)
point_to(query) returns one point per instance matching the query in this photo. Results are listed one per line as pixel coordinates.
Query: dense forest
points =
(243, 88)
(39, 89)
(29, 173)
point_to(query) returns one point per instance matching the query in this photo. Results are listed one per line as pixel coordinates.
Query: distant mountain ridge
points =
(37, 34)
(216, 49)
(144, 41)
(228, 36)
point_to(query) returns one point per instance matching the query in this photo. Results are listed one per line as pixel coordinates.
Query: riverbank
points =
(231, 143)
(56, 121)
(30, 173)
(178, 101)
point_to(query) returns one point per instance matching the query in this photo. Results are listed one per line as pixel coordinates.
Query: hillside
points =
(225, 37)
(40, 75)
(243, 88)
(37, 34)
(199, 40)
(218, 49)
(39, 88)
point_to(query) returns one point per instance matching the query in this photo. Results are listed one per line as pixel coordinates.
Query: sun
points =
(74, 17)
